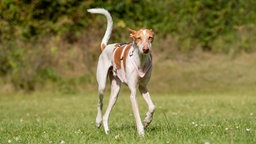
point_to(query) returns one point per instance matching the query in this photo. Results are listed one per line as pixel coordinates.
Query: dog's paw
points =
(107, 131)
(98, 125)
(98, 121)
(141, 133)
(148, 119)
(146, 123)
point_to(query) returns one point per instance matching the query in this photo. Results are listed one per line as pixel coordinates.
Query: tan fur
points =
(102, 47)
(118, 53)
(137, 35)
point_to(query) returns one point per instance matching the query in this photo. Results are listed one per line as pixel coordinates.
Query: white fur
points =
(144, 32)
(132, 76)
(109, 23)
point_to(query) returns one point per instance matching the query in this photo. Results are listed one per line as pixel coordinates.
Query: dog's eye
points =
(150, 38)
(139, 38)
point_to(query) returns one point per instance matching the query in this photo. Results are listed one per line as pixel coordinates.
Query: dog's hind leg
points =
(102, 72)
(100, 105)
(115, 88)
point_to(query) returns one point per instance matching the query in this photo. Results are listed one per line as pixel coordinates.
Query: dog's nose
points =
(146, 50)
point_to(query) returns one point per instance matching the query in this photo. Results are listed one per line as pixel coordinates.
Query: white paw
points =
(98, 122)
(141, 133)
(105, 125)
(148, 119)
(107, 131)
(98, 125)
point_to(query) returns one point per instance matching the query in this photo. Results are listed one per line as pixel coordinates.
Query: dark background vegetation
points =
(54, 44)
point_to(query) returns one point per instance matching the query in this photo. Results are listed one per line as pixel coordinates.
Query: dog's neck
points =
(142, 60)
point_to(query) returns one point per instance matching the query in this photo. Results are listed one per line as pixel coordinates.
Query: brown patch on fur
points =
(138, 36)
(117, 45)
(102, 47)
(118, 53)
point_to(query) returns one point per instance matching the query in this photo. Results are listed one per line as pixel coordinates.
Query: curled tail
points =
(109, 25)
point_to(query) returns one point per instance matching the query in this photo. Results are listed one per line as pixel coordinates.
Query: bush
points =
(45, 40)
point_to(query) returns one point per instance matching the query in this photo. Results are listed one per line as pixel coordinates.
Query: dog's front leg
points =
(151, 106)
(135, 109)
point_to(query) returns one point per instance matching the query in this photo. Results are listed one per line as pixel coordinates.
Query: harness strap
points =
(142, 72)
(122, 65)
(113, 62)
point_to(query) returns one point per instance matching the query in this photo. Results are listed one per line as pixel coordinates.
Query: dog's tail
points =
(109, 25)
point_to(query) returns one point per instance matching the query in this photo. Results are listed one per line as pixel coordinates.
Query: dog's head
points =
(143, 38)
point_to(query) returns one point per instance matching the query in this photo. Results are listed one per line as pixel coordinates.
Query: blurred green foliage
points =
(29, 18)
(213, 25)
(200, 20)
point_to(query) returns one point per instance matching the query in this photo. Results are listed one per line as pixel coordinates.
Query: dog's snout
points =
(145, 49)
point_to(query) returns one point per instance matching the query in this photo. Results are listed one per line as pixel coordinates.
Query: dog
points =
(129, 63)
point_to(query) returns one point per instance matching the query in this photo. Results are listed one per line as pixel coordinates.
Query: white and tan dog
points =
(125, 63)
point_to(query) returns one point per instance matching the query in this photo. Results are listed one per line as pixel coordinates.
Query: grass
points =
(184, 118)
(204, 72)
(204, 99)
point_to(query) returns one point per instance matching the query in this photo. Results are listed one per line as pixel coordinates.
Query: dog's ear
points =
(133, 32)
(152, 32)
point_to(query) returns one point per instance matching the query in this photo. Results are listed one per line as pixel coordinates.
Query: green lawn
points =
(180, 118)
